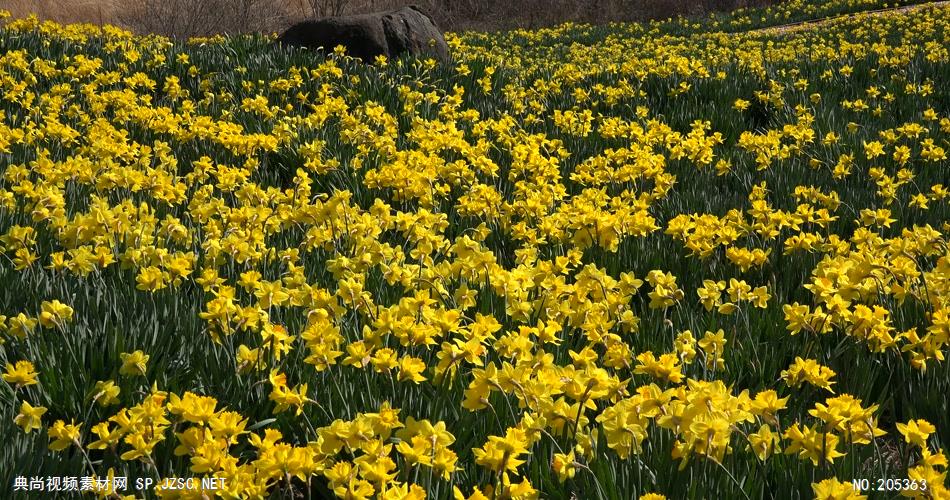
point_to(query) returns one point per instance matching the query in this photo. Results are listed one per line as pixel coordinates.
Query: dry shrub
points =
(189, 18)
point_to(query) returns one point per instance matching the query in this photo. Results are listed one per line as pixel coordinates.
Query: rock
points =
(366, 36)
(411, 30)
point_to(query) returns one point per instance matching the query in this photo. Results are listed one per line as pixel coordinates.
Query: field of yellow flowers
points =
(681, 258)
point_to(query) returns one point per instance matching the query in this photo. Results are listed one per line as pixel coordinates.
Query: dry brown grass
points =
(125, 12)
(64, 11)
(201, 17)
(133, 13)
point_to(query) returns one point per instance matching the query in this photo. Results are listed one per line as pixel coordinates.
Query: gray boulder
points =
(366, 36)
